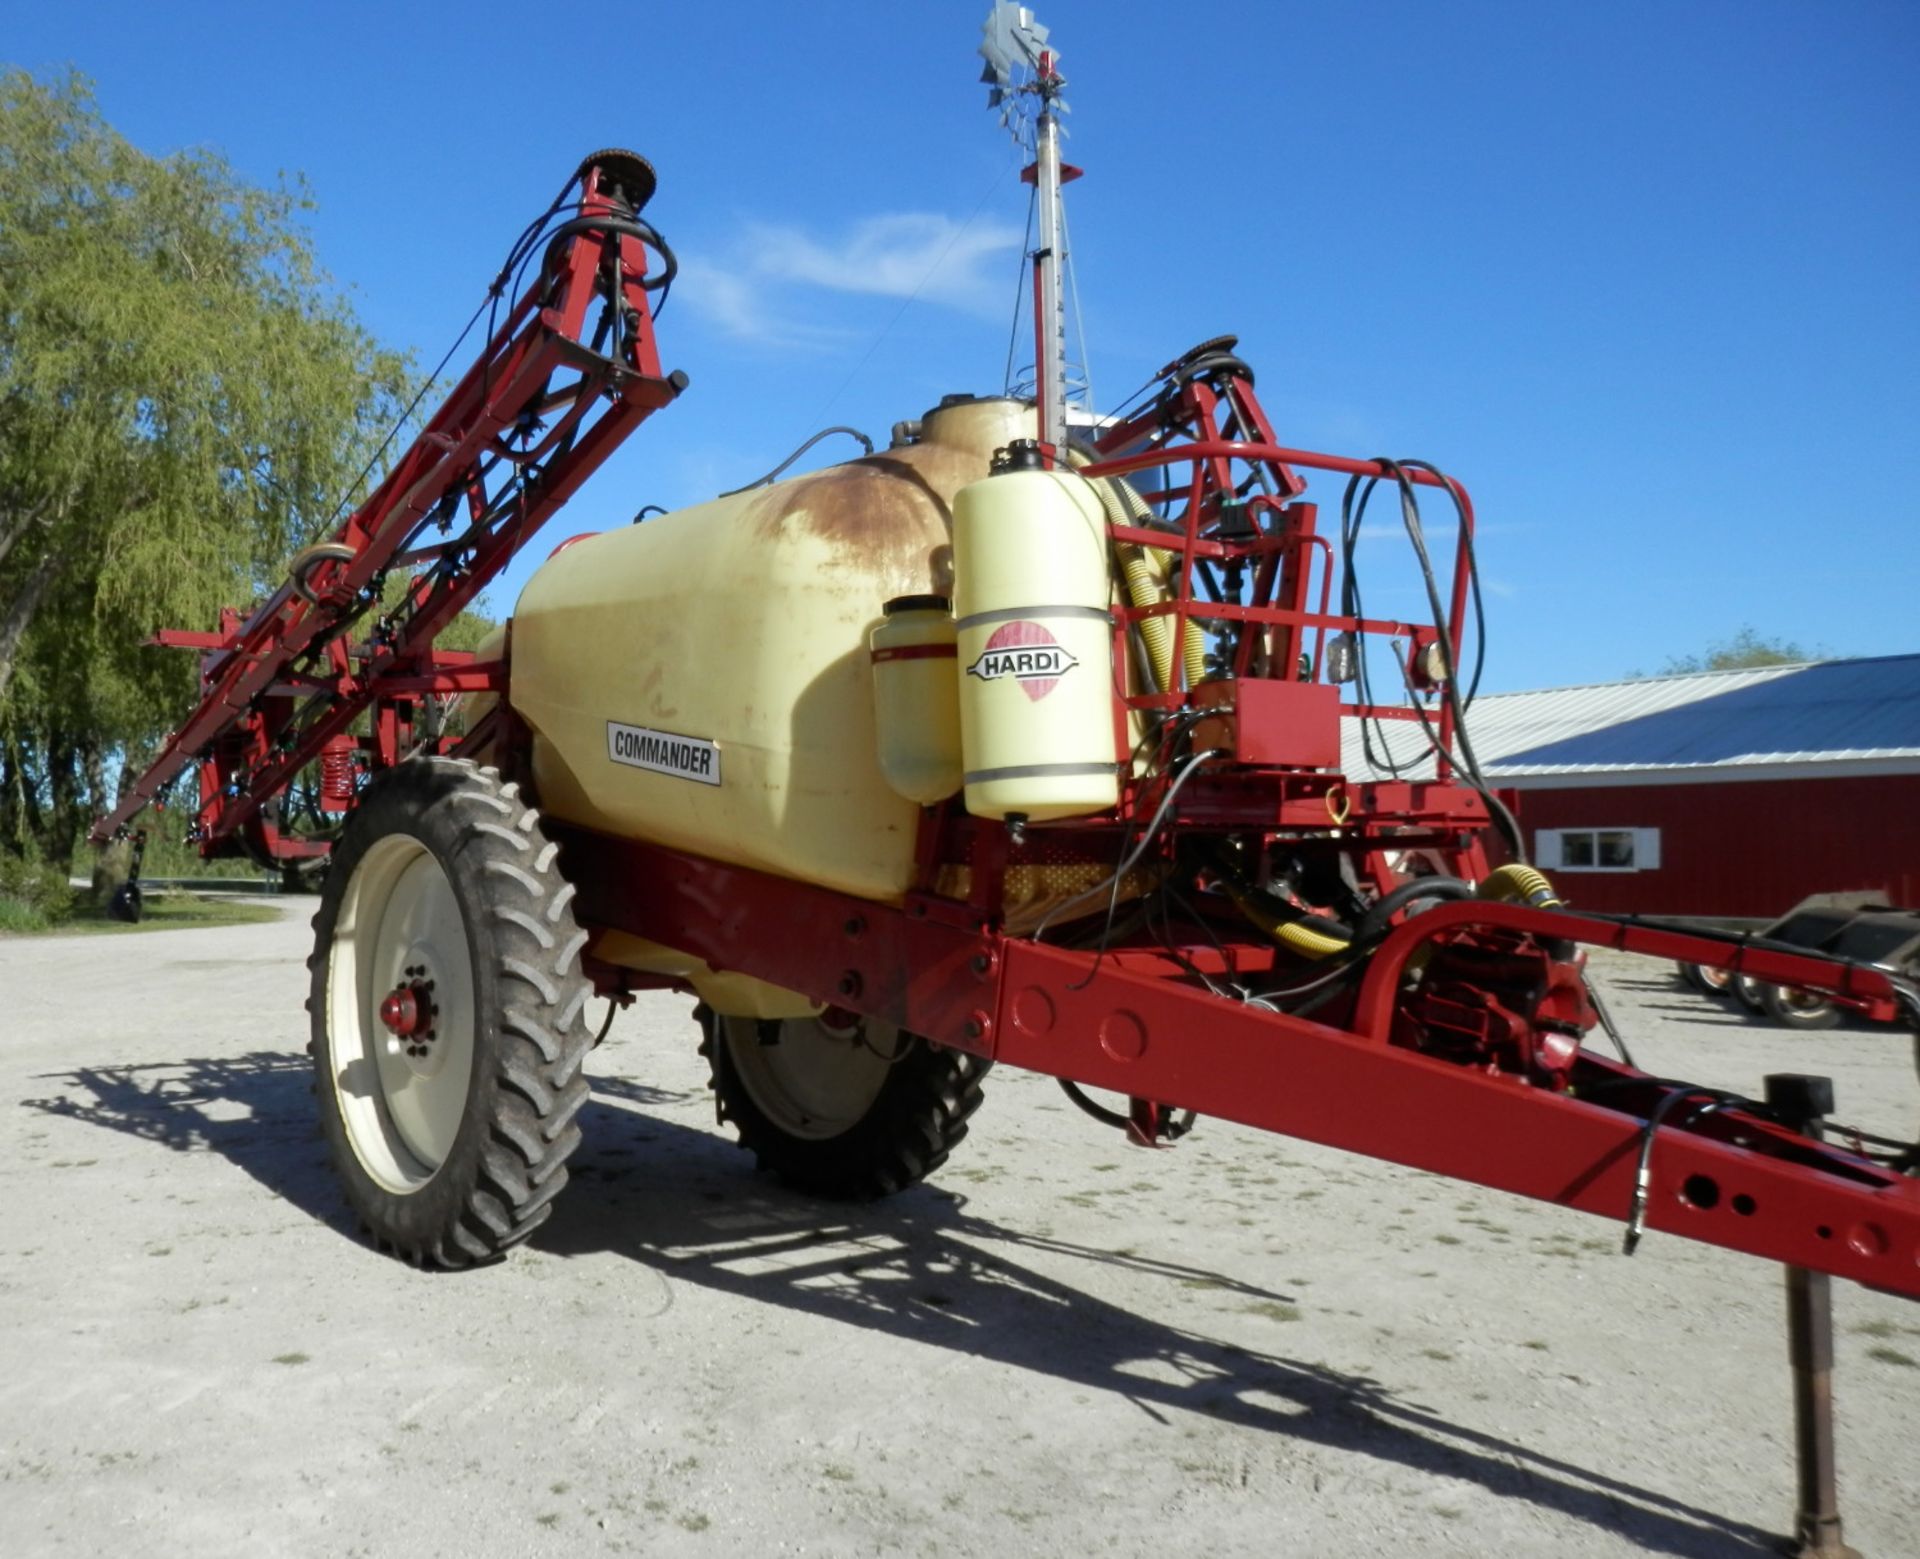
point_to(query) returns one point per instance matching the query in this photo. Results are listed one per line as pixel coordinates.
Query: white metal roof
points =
(1859, 714)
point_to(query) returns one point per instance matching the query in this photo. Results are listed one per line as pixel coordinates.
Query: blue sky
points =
(1645, 276)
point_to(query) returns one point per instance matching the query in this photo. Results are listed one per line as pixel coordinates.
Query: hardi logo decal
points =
(1026, 652)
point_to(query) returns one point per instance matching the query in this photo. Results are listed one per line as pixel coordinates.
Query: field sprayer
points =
(1000, 745)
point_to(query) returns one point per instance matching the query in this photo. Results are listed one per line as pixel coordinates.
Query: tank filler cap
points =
(1023, 454)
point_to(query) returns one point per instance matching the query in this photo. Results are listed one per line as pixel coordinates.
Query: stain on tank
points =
(880, 513)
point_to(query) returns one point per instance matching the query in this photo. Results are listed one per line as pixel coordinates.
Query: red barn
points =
(1723, 793)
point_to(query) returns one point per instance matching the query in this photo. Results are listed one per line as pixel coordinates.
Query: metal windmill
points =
(1025, 86)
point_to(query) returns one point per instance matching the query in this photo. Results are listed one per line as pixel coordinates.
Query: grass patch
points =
(163, 912)
(1273, 1310)
(21, 919)
(696, 1521)
(175, 912)
(1447, 1239)
(1437, 1353)
(1894, 1356)
(291, 1358)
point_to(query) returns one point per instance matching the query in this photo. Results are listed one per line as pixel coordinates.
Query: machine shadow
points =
(921, 1266)
(255, 1110)
(687, 1203)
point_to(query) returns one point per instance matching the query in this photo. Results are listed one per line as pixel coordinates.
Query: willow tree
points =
(184, 401)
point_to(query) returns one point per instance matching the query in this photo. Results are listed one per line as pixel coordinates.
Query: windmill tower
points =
(1025, 85)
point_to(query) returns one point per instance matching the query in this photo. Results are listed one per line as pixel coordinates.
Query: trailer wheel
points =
(1708, 982)
(1748, 990)
(837, 1105)
(1797, 1009)
(446, 1007)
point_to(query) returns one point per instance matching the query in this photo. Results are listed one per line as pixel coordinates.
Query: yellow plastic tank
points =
(916, 697)
(703, 680)
(1033, 584)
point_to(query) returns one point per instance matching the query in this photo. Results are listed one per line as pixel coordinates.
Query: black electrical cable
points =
(762, 481)
(517, 256)
(406, 416)
(1351, 516)
(1020, 286)
(1449, 684)
(1193, 767)
(1473, 573)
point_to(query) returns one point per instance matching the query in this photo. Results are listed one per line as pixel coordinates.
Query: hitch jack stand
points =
(1802, 1102)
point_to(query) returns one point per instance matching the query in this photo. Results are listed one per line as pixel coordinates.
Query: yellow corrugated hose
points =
(1145, 571)
(1520, 885)
(1295, 935)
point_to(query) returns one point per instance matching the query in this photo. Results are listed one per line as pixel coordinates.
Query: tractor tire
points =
(448, 1015)
(1796, 1009)
(846, 1109)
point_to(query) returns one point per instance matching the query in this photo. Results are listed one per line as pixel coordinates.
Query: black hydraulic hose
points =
(1374, 922)
(626, 226)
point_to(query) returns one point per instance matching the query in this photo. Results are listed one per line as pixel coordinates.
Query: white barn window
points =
(1597, 849)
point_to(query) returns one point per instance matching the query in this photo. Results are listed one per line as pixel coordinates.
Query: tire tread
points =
(534, 1089)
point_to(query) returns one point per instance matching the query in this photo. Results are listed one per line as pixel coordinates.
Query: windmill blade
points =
(1011, 39)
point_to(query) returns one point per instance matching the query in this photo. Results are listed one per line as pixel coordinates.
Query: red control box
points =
(1283, 725)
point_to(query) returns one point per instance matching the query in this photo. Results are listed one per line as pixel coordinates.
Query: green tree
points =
(184, 400)
(1744, 650)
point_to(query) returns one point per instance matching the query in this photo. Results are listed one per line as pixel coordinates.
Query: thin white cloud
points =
(759, 294)
(903, 255)
(736, 304)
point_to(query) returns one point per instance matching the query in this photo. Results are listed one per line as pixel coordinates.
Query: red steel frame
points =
(1434, 1061)
(1138, 1026)
(535, 416)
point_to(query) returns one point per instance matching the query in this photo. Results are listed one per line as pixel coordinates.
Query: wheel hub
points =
(408, 1013)
(404, 1011)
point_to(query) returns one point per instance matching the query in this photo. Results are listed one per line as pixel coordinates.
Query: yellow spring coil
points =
(1520, 885)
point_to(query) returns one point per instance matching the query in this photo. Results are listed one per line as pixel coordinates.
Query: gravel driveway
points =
(1062, 1346)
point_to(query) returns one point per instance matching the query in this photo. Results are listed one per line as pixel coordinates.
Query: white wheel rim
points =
(818, 1080)
(401, 1098)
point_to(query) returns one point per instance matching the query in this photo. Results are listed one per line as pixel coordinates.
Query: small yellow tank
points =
(916, 698)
